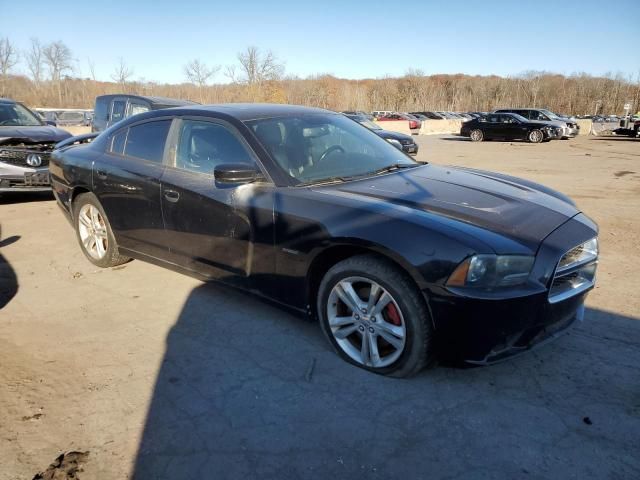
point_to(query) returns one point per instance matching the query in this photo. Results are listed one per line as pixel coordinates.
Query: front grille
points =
(18, 156)
(575, 272)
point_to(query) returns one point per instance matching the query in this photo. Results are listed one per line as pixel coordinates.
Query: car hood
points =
(517, 209)
(393, 135)
(38, 134)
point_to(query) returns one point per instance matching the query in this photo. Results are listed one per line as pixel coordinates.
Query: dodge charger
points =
(400, 262)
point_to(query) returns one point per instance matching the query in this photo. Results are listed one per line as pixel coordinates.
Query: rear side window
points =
(101, 110)
(117, 142)
(147, 140)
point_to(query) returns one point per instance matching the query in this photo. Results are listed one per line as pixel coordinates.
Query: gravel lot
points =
(157, 375)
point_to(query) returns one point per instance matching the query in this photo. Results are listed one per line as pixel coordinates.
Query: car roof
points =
(252, 111)
(7, 100)
(174, 102)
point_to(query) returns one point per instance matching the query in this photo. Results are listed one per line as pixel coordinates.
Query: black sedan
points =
(509, 126)
(403, 142)
(397, 260)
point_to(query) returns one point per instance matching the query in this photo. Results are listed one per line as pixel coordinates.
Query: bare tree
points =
(256, 67)
(122, 73)
(8, 59)
(199, 73)
(92, 69)
(35, 61)
(58, 58)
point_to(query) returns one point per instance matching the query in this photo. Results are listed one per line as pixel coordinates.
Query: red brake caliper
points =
(392, 314)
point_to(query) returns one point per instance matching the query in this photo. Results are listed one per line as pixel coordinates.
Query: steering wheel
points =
(331, 149)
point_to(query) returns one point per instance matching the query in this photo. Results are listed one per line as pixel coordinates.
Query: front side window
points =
(316, 147)
(135, 108)
(202, 146)
(147, 140)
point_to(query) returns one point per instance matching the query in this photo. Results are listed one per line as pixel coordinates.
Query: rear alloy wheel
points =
(94, 232)
(535, 136)
(374, 316)
(476, 135)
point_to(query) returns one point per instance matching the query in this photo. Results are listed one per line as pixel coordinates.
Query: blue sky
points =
(350, 39)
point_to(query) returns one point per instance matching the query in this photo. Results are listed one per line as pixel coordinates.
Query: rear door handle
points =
(171, 195)
(101, 174)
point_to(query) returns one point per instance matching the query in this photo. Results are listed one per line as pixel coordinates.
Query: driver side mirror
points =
(237, 173)
(51, 122)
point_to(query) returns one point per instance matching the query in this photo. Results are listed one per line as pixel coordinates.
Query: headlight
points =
(488, 271)
(395, 143)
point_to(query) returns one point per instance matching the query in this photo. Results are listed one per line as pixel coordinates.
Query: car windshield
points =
(519, 117)
(14, 114)
(550, 114)
(369, 124)
(317, 148)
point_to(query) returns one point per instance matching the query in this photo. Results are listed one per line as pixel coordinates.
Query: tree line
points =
(44, 75)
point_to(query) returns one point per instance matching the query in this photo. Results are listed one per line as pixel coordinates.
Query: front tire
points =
(476, 135)
(94, 233)
(375, 317)
(535, 136)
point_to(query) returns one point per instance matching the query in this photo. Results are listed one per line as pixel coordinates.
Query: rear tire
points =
(389, 314)
(94, 233)
(476, 135)
(535, 136)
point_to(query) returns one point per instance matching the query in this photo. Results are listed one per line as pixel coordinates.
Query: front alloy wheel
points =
(375, 317)
(536, 136)
(477, 135)
(366, 322)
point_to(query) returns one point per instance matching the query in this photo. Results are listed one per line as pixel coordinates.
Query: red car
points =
(414, 123)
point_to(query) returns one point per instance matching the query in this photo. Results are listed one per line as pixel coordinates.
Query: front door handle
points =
(102, 175)
(171, 195)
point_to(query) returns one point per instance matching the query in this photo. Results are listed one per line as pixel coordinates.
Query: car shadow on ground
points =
(617, 139)
(8, 278)
(7, 198)
(247, 390)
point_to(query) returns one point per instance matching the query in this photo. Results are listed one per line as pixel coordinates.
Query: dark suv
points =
(110, 109)
(570, 128)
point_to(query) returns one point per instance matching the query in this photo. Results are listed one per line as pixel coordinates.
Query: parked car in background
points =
(110, 109)
(414, 123)
(570, 128)
(360, 113)
(26, 142)
(430, 115)
(397, 260)
(74, 118)
(381, 113)
(406, 143)
(509, 126)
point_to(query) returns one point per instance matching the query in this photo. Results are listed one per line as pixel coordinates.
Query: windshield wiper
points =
(388, 168)
(322, 181)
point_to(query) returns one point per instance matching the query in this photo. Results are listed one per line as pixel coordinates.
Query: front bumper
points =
(486, 328)
(15, 178)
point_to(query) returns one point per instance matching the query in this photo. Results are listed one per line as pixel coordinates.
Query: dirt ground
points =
(157, 375)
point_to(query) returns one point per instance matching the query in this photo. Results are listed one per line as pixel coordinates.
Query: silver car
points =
(26, 143)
